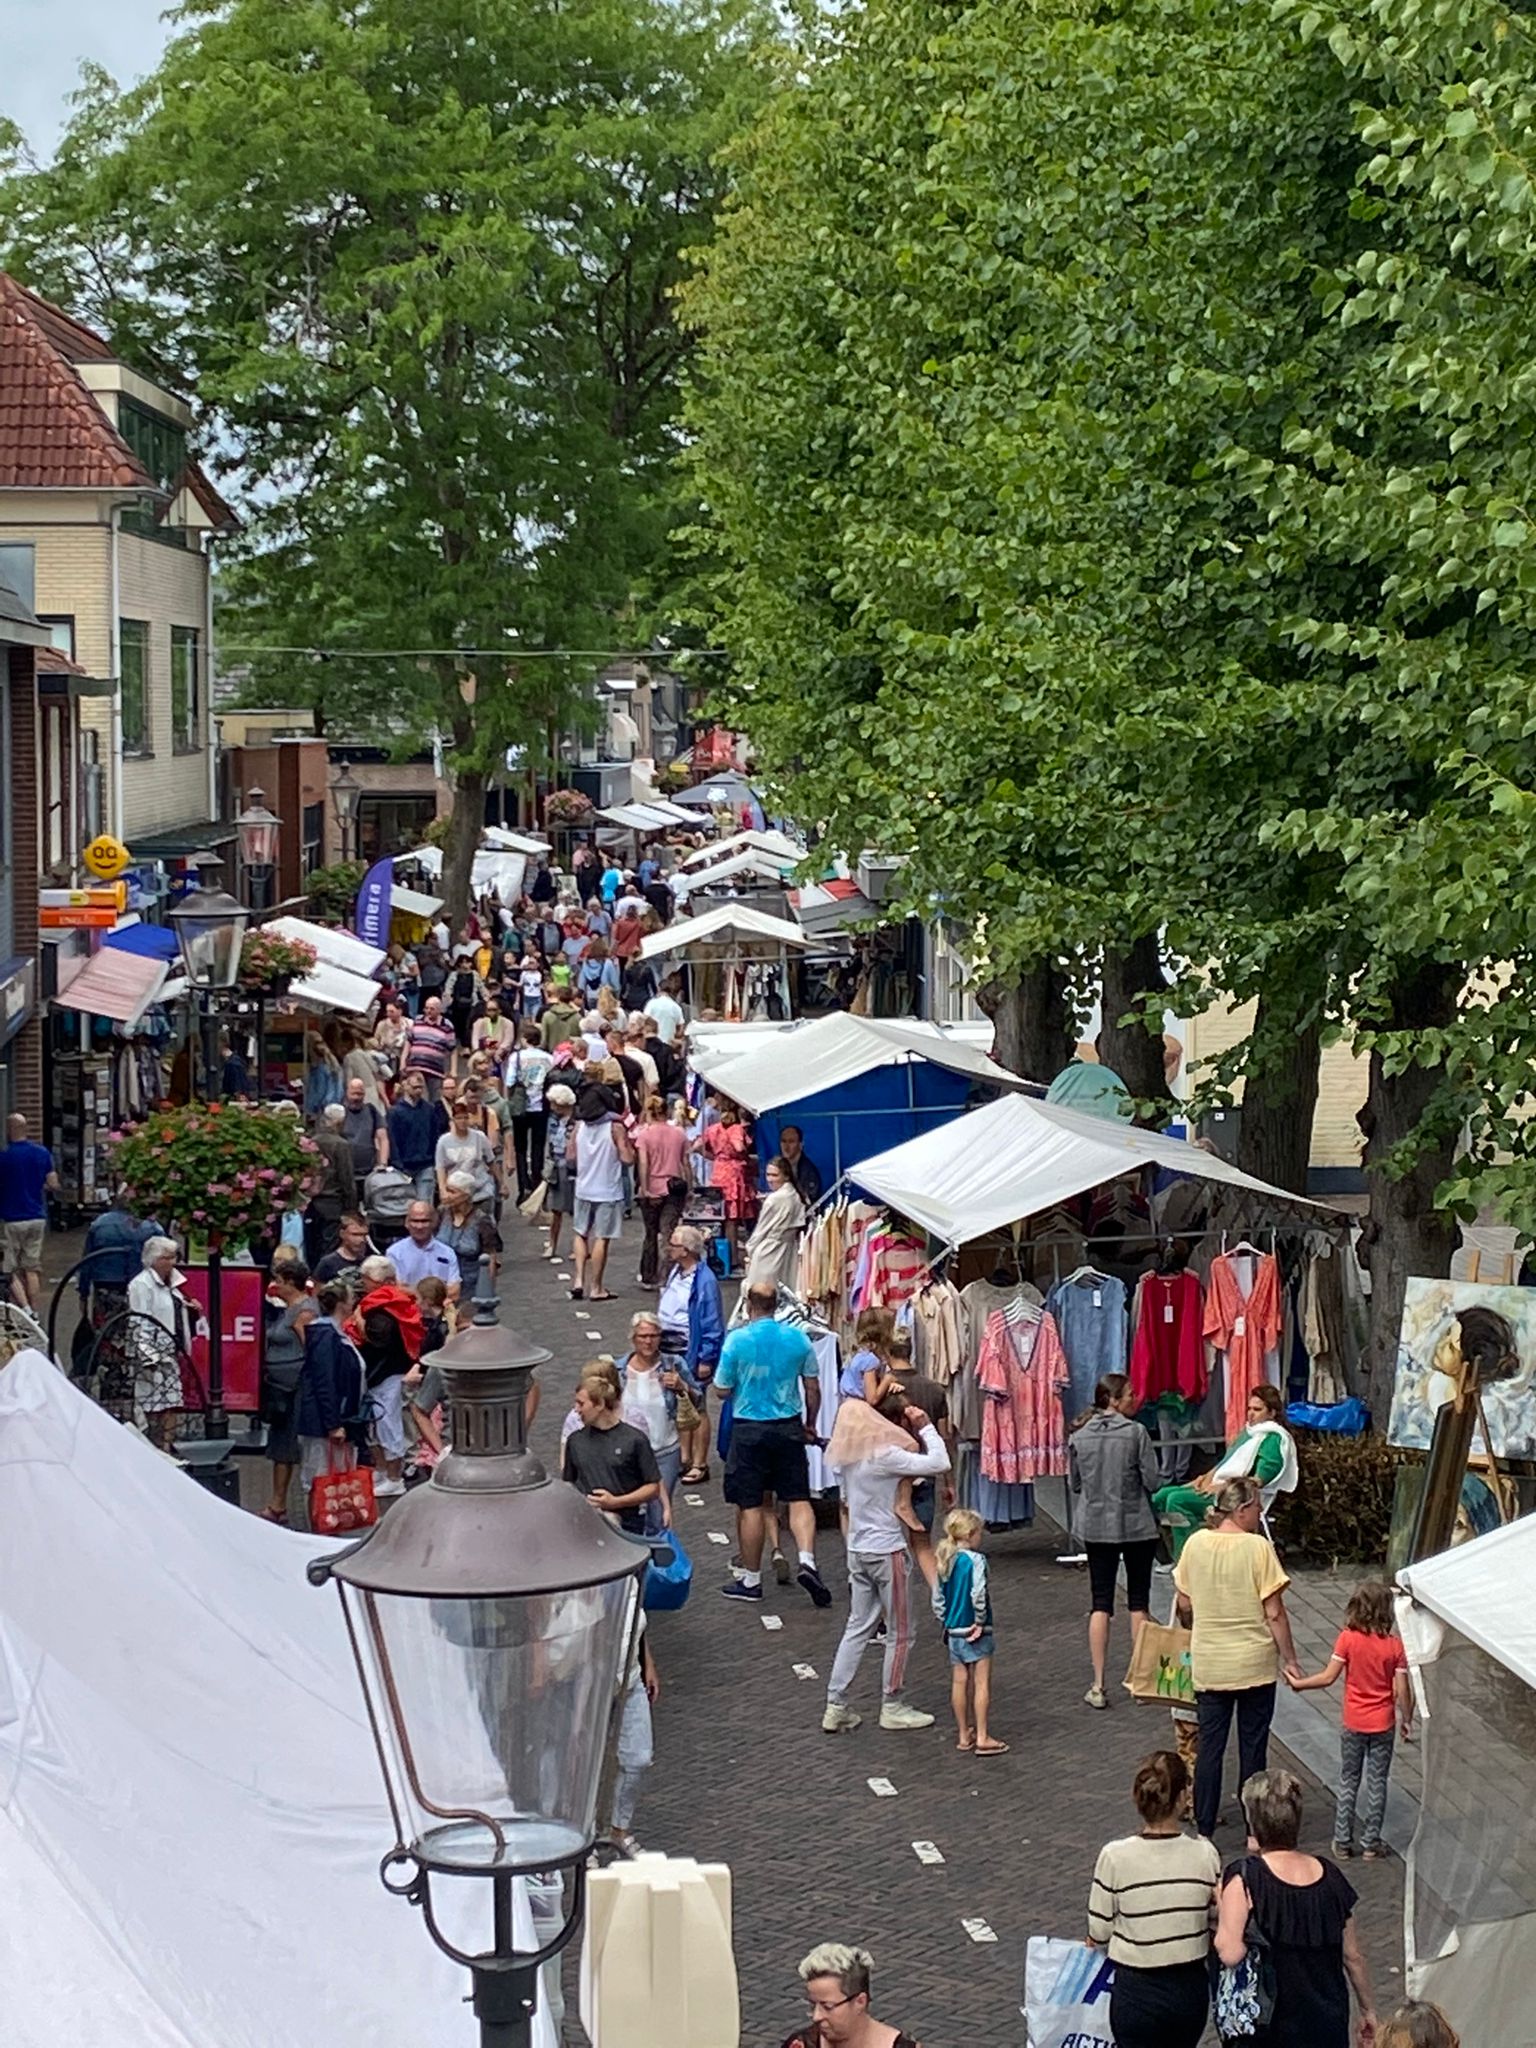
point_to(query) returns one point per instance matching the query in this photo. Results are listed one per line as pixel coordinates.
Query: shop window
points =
(313, 853)
(392, 824)
(186, 689)
(133, 685)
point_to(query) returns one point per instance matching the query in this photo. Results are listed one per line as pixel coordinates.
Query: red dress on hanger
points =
(1168, 1354)
(1244, 1323)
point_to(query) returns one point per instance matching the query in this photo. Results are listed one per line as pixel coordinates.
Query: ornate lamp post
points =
(346, 795)
(257, 830)
(492, 1614)
(210, 927)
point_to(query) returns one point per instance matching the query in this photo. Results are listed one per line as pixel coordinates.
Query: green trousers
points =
(1184, 1509)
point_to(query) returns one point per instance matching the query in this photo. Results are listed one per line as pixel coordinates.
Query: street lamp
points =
(257, 830)
(492, 1614)
(346, 795)
(210, 927)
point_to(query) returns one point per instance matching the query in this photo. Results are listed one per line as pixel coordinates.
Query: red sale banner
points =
(242, 1295)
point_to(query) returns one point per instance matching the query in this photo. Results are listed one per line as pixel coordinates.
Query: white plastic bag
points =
(1066, 1994)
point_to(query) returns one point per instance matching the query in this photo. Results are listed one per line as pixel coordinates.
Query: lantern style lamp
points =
(346, 795)
(493, 1615)
(258, 829)
(210, 927)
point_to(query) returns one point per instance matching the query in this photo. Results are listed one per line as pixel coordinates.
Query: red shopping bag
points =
(341, 1499)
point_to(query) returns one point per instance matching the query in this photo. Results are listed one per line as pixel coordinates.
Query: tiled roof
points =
(194, 479)
(53, 661)
(53, 434)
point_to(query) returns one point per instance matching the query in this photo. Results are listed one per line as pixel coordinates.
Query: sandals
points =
(697, 1476)
(277, 1516)
(575, 1293)
(602, 1297)
(989, 1749)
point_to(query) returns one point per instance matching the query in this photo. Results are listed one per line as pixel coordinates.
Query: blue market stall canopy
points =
(149, 941)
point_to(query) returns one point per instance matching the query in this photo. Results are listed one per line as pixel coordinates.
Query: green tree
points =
(418, 263)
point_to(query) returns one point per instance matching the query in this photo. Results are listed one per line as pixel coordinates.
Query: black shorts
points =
(766, 1457)
(1102, 1561)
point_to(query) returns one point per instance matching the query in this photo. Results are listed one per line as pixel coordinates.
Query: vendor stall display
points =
(735, 959)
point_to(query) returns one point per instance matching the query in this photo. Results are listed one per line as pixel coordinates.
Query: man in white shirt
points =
(666, 1012)
(598, 1215)
(880, 1569)
(421, 1252)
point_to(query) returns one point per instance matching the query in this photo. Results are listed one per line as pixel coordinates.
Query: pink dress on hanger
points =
(1023, 1431)
(1244, 1323)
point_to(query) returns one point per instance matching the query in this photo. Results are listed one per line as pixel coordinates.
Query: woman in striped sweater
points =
(1153, 1906)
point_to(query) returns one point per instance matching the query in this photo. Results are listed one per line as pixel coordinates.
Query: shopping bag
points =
(1159, 1668)
(532, 1206)
(341, 1499)
(668, 1576)
(1066, 1994)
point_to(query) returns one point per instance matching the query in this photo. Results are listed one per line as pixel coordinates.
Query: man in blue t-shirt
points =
(763, 1367)
(27, 1179)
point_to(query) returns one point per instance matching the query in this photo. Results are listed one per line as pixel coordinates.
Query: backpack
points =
(517, 1087)
(463, 988)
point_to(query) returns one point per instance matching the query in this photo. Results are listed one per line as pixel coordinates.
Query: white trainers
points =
(388, 1488)
(897, 1714)
(839, 1720)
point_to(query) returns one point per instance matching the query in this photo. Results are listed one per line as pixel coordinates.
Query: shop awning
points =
(411, 902)
(635, 817)
(1018, 1156)
(802, 1059)
(833, 906)
(720, 926)
(763, 866)
(117, 985)
(149, 941)
(777, 845)
(508, 841)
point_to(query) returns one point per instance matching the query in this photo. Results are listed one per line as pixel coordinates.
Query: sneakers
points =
(386, 1489)
(811, 1579)
(737, 1591)
(1096, 1696)
(781, 1567)
(839, 1720)
(897, 1714)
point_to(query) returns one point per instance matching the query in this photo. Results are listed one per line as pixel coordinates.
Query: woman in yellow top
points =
(1231, 1589)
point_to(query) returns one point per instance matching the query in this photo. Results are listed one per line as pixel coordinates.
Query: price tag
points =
(1098, 1297)
(927, 1852)
(978, 1929)
(770, 1621)
(718, 1536)
(881, 1787)
(1239, 1324)
(1167, 1317)
(803, 1670)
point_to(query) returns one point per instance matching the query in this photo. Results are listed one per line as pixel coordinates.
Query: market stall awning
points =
(1018, 1156)
(149, 941)
(726, 788)
(411, 902)
(335, 948)
(765, 867)
(642, 817)
(778, 845)
(496, 870)
(117, 985)
(803, 1059)
(1482, 1589)
(507, 841)
(719, 927)
(833, 906)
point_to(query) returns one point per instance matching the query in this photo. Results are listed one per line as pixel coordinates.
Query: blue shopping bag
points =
(668, 1576)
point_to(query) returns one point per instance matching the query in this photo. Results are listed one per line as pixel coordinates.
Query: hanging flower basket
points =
(567, 807)
(217, 1170)
(269, 963)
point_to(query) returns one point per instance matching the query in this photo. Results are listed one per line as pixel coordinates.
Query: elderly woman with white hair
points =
(159, 1339)
(692, 1332)
(837, 1992)
(468, 1232)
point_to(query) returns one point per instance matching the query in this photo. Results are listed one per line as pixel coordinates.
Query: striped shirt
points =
(1153, 1900)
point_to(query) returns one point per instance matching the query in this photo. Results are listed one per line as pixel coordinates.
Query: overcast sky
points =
(47, 40)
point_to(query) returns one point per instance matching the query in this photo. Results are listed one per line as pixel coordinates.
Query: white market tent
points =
(711, 1045)
(342, 977)
(496, 871)
(1017, 1156)
(507, 841)
(654, 815)
(725, 924)
(797, 1060)
(1468, 1622)
(777, 845)
(411, 902)
(765, 867)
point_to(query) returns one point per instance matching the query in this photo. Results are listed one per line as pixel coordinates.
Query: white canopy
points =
(412, 903)
(336, 949)
(342, 978)
(719, 926)
(514, 842)
(1483, 1590)
(496, 870)
(1017, 1156)
(646, 817)
(766, 866)
(803, 1059)
(777, 845)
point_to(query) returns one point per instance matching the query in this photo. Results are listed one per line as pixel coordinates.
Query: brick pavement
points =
(744, 1775)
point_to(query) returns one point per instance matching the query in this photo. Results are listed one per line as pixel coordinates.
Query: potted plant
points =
(567, 807)
(269, 962)
(221, 1171)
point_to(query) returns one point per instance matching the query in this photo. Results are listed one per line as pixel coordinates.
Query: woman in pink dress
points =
(728, 1147)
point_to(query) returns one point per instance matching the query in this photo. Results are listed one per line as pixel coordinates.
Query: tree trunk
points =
(466, 821)
(1130, 1050)
(1274, 1141)
(1032, 1020)
(1404, 1233)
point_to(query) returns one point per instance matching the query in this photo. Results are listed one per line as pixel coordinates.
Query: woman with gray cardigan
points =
(1114, 1474)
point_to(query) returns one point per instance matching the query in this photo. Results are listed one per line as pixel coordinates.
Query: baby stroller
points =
(387, 1194)
(704, 1209)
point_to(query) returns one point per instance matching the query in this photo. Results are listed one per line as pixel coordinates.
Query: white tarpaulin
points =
(341, 979)
(411, 902)
(711, 1045)
(191, 1811)
(496, 871)
(335, 949)
(726, 922)
(765, 867)
(803, 1059)
(1468, 1621)
(778, 845)
(1017, 1156)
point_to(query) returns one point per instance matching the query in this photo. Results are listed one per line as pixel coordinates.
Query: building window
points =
(18, 568)
(162, 448)
(61, 629)
(392, 824)
(133, 685)
(186, 689)
(314, 837)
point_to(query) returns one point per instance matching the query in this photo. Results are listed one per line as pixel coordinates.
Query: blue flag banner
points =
(373, 903)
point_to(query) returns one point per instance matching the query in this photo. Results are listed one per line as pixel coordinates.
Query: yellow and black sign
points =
(107, 857)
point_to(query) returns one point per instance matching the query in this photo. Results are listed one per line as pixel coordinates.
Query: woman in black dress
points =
(1304, 1907)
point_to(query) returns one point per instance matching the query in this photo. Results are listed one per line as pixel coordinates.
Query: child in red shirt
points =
(1376, 1696)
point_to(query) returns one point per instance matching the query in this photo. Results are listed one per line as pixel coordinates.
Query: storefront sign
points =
(107, 857)
(242, 1295)
(81, 909)
(18, 996)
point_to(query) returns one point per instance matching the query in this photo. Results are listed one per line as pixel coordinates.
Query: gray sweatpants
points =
(1368, 1757)
(879, 1583)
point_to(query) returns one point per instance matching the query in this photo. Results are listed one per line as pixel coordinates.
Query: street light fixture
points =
(257, 829)
(492, 1615)
(346, 795)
